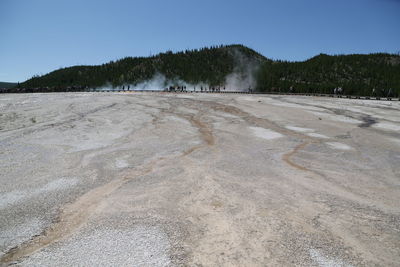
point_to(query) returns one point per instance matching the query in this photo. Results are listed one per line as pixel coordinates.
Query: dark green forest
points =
(356, 74)
(207, 65)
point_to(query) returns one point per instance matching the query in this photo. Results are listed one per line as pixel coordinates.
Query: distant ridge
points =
(7, 85)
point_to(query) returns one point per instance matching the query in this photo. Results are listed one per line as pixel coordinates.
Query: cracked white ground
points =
(157, 179)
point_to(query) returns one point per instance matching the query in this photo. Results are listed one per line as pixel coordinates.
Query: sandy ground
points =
(155, 179)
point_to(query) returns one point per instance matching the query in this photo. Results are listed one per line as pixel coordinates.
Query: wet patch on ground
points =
(367, 121)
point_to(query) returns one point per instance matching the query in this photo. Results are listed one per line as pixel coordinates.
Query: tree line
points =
(377, 74)
(373, 74)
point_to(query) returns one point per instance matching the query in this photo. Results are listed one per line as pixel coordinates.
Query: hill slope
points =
(207, 65)
(236, 66)
(356, 74)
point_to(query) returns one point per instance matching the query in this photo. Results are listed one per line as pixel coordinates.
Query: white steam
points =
(243, 76)
(160, 82)
(157, 83)
(239, 82)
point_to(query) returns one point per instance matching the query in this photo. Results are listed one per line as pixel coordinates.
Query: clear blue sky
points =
(38, 36)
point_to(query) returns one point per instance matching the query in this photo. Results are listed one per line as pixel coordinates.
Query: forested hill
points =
(377, 74)
(356, 74)
(206, 65)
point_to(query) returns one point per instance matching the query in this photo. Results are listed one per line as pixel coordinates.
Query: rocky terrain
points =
(162, 179)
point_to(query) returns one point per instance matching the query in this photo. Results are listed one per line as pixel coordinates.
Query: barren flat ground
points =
(157, 179)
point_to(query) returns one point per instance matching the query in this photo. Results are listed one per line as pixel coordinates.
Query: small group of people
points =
(175, 89)
(382, 92)
(202, 89)
(211, 89)
(338, 91)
